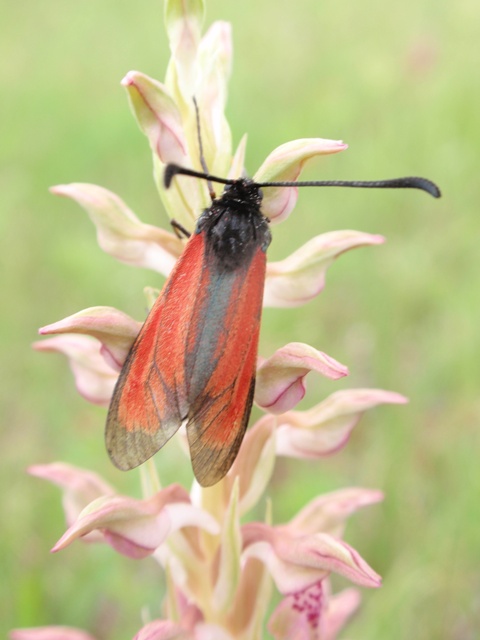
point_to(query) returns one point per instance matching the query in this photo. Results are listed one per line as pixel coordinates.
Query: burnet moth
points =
(195, 358)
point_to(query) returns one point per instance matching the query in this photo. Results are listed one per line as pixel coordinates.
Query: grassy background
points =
(399, 83)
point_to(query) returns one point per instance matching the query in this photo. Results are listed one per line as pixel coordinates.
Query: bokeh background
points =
(396, 80)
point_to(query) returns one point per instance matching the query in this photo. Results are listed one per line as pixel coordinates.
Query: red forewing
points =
(194, 360)
(221, 391)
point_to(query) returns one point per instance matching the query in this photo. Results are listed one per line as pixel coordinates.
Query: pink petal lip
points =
(296, 386)
(137, 528)
(296, 561)
(123, 545)
(291, 195)
(280, 378)
(361, 576)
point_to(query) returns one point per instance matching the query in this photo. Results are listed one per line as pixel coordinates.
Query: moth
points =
(194, 360)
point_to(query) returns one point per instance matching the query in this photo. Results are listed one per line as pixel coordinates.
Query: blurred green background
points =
(399, 82)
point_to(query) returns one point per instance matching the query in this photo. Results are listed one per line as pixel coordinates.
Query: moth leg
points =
(180, 230)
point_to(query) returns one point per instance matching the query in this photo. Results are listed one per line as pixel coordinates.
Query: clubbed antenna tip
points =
(410, 182)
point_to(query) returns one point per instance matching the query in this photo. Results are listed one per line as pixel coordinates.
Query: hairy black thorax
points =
(234, 226)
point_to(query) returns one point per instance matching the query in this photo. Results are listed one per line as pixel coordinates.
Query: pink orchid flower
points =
(220, 569)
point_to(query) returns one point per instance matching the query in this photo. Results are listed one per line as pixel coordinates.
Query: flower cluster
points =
(219, 571)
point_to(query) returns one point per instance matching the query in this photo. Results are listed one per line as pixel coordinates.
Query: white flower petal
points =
(113, 328)
(300, 277)
(120, 233)
(326, 427)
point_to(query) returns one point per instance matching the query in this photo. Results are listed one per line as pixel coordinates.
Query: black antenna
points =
(410, 182)
(172, 170)
(200, 149)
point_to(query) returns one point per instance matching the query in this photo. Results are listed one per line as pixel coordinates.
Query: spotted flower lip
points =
(313, 613)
